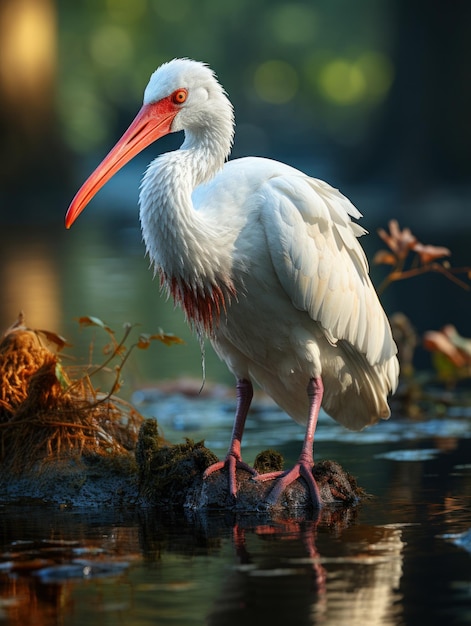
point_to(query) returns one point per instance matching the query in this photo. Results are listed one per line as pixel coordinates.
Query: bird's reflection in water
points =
(330, 570)
(322, 571)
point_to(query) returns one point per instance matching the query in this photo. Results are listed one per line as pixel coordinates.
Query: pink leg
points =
(233, 460)
(305, 463)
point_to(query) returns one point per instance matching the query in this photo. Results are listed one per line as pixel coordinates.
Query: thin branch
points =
(102, 366)
(396, 275)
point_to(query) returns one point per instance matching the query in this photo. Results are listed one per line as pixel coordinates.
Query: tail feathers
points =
(355, 392)
(356, 395)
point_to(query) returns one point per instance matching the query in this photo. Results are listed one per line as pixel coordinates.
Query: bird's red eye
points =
(179, 96)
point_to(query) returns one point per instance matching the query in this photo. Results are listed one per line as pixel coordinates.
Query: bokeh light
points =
(294, 23)
(335, 71)
(111, 46)
(25, 68)
(378, 72)
(344, 81)
(276, 81)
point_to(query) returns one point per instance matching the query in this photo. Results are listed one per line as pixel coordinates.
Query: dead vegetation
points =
(46, 414)
(420, 392)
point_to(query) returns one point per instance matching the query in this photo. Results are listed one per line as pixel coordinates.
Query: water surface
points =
(401, 557)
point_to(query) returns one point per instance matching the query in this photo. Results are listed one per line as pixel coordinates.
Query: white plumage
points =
(262, 258)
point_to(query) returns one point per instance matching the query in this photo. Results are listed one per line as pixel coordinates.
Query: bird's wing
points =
(320, 263)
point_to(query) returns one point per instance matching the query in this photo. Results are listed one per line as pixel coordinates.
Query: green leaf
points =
(445, 369)
(62, 376)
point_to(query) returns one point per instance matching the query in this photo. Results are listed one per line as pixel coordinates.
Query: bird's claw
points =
(286, 478)
(231, 463)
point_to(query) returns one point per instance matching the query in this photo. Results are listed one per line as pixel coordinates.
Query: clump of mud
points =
(173, 475)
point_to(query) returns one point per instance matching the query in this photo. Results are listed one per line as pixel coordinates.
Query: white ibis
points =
(264, 260)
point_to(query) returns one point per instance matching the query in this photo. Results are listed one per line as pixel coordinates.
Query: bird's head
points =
(193, 87)
(181, 95)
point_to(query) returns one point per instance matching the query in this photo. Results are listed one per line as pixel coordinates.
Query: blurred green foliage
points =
(323, 65)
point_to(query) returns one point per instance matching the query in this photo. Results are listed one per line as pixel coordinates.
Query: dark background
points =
(374, 96)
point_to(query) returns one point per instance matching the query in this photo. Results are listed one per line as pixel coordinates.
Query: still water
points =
(56, 276)
(401, 557)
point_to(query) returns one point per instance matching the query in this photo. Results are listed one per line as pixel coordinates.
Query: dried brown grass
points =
(46, 416)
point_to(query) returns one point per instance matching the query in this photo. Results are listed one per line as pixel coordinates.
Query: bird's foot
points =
(231, 463)
(302, 469)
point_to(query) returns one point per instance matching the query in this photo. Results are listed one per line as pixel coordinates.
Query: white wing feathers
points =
(320, 263)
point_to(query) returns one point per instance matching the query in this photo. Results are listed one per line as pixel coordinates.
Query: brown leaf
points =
(437, 341)
(462, 343)
(428, 253)
(89, 320)
(143, 342)
(399, 241)
(384, 257)
(167, 338)
(54, 338)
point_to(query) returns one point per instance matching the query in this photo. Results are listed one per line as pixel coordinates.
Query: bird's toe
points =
(284, 479)
(231, 464)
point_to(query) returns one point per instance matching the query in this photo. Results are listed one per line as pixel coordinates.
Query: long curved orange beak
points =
(152, 122)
